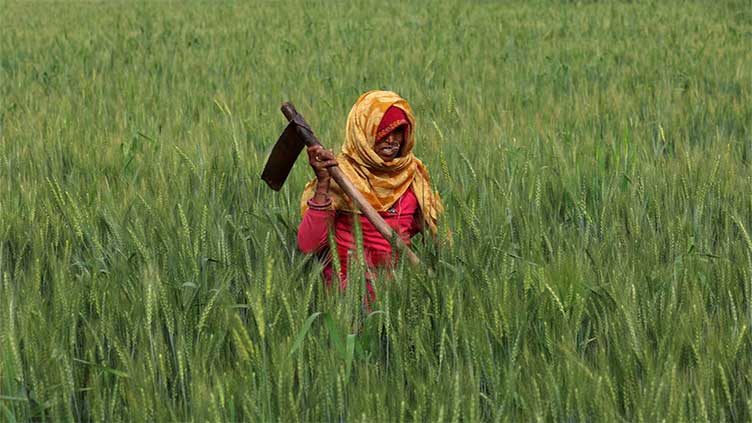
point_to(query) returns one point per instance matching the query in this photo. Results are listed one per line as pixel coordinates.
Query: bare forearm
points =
(322, 191)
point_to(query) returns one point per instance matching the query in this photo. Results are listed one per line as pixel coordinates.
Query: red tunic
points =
(404, 217)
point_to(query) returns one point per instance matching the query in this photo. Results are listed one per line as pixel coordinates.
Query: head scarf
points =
(393, 118)
(381, 182)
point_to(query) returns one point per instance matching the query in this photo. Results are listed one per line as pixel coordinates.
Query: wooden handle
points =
(371, 214)
(347, 186)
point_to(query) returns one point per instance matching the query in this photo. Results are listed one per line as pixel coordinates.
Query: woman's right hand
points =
(321, 160)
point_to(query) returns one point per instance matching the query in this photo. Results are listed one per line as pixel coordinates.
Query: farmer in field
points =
(377, 157)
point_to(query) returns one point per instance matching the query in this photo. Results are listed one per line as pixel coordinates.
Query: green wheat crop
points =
(594, 159)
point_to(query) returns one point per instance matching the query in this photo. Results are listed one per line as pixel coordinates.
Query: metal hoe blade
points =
(282, 157)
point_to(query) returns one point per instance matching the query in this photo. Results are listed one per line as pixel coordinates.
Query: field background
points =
(594, 161)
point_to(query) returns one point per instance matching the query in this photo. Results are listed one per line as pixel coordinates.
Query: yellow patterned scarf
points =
(382, 183)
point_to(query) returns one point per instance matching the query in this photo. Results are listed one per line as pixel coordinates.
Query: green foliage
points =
(593, 158)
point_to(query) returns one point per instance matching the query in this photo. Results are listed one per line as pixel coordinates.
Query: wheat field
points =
(593, 159)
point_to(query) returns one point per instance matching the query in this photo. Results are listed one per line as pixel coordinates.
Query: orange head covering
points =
(374, 115)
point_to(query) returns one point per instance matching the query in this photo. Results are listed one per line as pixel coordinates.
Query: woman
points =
(377, 157)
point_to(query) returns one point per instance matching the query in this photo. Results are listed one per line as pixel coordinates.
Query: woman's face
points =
(388, 148)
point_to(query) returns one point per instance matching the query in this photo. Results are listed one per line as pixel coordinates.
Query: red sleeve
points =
(312, 233)
(417, 223)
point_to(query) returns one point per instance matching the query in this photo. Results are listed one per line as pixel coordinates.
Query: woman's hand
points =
(321, 160)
